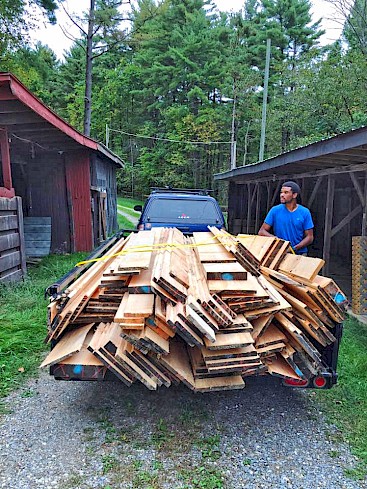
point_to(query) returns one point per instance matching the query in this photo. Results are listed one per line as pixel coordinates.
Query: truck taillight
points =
(296, 382)
(319, 382)
(141, 227)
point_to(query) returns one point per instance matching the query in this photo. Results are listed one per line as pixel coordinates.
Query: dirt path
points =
(134, 220)
(84, 435)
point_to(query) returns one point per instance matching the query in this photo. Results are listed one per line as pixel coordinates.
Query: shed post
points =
(275, 195)
(249, 205)
(23, 264)
(5, 159)
(268, 187)
(257, 215)
(328, 221)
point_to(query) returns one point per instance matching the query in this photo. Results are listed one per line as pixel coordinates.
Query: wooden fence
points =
(12, 249)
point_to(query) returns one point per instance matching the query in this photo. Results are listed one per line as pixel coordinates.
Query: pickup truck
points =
(188, 210)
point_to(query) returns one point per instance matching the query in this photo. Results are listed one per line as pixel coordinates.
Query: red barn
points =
(54, 180)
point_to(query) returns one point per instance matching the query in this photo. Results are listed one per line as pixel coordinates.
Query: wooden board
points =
(69, 344)
(210, 251)
(139, 305)
(280, 368)
(138, 252)
(231, 340)
(301, 266)
(225, 271)
(219, 383)
(258, 245)
(178, 363)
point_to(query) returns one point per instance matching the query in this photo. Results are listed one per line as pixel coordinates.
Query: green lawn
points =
(127, 206)
(124, 222)
(345, 405)
(23, 313)
(125, 202)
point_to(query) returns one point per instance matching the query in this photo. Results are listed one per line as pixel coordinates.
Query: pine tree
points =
(355, 28)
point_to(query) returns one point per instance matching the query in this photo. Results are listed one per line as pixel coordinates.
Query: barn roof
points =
(27, 119)
(344, 152)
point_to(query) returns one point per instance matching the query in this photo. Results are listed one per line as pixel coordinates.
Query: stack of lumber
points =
(207, 310)
(359, 274)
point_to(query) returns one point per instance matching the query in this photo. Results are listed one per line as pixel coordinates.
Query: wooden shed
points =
(54, 181)
(332, 174)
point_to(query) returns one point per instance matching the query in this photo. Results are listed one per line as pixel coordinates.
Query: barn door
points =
(99, 203)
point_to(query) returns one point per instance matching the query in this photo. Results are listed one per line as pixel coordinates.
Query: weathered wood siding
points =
(43, 190)
(12, 250)
(103, 179)
(37, 236)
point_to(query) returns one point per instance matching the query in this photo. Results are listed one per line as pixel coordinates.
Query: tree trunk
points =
(88, 72)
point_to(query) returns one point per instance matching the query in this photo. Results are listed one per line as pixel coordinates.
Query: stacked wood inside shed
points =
(359, 274)
(207, 310)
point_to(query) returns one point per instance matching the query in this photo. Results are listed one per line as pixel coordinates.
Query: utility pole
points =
(265, 100)
(233, 141)
(107, 136)
(88, 71)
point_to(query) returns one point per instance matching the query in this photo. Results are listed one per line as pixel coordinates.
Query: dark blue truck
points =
(187, 210)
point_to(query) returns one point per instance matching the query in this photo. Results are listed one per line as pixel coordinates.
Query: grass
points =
(161, 434)
(345, 405)
(125, 202)
(128, 205)
(23, 316)
(124, 222)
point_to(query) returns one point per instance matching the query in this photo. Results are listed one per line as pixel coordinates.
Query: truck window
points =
(175, 210)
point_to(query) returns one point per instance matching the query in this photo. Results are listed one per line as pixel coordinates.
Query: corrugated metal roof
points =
(339, 151)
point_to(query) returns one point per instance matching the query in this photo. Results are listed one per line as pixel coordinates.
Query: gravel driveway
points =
(70, 435)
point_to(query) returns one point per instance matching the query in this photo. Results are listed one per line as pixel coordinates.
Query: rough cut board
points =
(260, 324)
(82, 357)
(229, 340)
(210, 250)
(225, 271)
(280, 367)
(70, 343)
(301, 266)
(219, 383)
(271, 336)
(141, 282)
(142, 242)
(164, 326)
(247, 351)
(258, 245)
(177, 362)
(139, 305)
(250, 285)
(232, 286)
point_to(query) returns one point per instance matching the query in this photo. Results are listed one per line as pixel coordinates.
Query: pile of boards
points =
(207, 310)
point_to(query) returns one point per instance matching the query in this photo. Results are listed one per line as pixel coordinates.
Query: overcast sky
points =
(58, 42)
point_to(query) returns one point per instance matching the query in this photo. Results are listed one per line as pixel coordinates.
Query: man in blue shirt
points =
(290, 221)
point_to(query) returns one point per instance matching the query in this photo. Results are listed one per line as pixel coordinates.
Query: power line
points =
(168, 140)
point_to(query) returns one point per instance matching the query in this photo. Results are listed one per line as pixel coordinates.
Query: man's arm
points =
(307, 240)
(265, 231)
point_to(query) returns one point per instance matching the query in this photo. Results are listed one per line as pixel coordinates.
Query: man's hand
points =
(264, 231)
(307, 240)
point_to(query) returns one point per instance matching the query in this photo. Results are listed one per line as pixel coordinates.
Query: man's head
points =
(289, 192)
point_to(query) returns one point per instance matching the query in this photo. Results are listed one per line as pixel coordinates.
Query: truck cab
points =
(188, 210)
